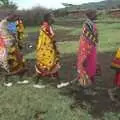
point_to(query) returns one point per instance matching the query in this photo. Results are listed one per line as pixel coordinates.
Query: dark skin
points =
(20, 74)
(91, 15)
(18, 34)
(49, 18)
(38, 76)
(11, 18)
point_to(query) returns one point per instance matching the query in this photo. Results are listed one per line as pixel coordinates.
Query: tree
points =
(67, 5)
(7, 4)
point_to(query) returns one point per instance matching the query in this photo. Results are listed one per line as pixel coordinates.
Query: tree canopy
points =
(7, 4)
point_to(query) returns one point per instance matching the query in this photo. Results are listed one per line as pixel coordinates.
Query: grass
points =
(31, 29)
(27, 103)
(109, 37)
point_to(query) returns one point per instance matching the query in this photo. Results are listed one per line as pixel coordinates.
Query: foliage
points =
(7, 4)
(33, 16)
(106, 4)
(60, 12)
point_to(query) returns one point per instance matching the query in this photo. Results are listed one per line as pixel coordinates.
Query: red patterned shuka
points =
(87, 56)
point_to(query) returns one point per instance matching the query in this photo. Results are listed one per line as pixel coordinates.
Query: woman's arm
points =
(51, 32)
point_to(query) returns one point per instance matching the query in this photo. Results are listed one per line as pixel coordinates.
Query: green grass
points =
(31, 29)
(59, 27)
(23, 102)
(109, 37)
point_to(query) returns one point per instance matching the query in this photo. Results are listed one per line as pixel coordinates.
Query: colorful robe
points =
(47, 55)
(116, 66)
(12, 59)
(86, 60)
(20, 32)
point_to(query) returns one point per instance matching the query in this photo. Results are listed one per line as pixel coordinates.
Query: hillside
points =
(101, 5)
(105, 4)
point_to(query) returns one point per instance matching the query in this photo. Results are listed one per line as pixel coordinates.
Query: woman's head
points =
(12, 17)
(49, 18)
(91, 14)
(19, 17)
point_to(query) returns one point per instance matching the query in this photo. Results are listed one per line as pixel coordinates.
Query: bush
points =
(33, 16)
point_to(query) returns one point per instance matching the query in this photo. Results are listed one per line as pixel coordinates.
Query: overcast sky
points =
(26, 4)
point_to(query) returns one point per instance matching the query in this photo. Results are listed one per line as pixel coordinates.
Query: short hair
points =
(12, 17)
(46, 17)
(90, 12)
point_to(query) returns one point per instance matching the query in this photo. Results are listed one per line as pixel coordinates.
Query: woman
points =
(86, 62)
(20, 32)
(47, 55)
(116, 66)
(12, 59)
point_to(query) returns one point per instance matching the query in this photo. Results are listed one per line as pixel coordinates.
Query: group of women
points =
(47, 54)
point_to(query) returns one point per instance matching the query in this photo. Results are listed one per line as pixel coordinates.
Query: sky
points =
(54, 4)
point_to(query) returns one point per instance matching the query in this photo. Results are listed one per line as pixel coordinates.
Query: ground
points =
(27, 103)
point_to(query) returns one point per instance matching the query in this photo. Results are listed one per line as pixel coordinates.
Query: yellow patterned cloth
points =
(20, 26)
(118, 53)
(116, 60)
(15, 59)
(20, 32)
(47, 56)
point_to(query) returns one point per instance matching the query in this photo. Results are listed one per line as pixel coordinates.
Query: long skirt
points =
(91, 64)
(47, 56)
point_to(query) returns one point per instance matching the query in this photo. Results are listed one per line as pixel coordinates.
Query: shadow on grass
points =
(99, 104)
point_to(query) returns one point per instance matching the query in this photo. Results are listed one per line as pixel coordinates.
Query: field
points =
(23, 102)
